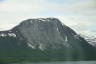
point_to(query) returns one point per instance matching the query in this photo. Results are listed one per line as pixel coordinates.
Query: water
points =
(61, 62)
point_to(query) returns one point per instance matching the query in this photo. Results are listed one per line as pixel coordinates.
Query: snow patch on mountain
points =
(90, 39)
(8, 34)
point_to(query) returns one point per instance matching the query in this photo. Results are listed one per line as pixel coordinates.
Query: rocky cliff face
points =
(46, 33)
(48, 37)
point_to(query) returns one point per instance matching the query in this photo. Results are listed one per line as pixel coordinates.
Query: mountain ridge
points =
(47, 36)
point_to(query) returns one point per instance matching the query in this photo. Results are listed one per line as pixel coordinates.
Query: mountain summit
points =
(44, 39)
(46, 33)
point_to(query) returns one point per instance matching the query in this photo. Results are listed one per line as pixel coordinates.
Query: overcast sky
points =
(80, 15)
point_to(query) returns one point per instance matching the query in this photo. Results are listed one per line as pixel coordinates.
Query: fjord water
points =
(61, 62)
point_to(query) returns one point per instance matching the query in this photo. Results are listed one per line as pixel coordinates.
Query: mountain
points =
(90, 39)
(43, 39)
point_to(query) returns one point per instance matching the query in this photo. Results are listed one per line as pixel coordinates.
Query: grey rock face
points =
(46, 33)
